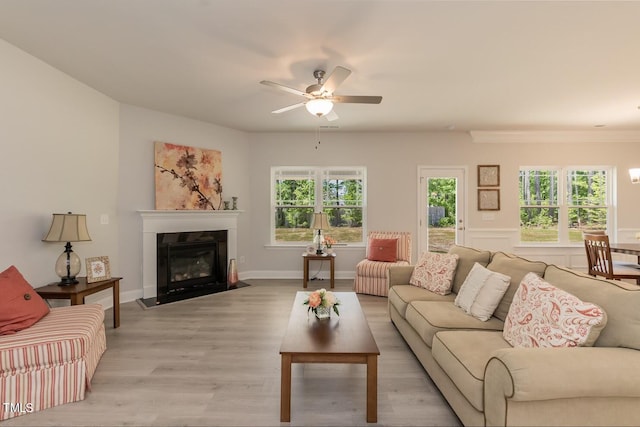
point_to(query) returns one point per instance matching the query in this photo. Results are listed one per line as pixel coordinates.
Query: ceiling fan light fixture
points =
(319, 107)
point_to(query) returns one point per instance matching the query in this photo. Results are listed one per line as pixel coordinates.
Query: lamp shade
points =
(320, 221)
(319, 107)
(68, 228)
(634, 174)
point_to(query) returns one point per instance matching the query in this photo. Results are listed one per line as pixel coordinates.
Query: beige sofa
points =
(488, 382)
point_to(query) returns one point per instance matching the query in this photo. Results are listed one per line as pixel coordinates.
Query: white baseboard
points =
(293, 274)
(128, 296)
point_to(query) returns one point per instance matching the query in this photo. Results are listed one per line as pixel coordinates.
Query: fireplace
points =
(175, 222)
(190, 264)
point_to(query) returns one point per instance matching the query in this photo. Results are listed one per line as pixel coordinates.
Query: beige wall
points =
(67, 147)
(392, 161)
(139, 128)
(59, 142)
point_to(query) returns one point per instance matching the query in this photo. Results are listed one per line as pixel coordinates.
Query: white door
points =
(441, 208)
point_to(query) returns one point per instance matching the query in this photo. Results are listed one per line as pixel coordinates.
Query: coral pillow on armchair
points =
(383, 250)
(20, 305)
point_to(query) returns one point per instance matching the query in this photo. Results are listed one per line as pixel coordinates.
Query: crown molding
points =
(554, 137)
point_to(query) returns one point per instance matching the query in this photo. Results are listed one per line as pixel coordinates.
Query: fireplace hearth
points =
(190, 264)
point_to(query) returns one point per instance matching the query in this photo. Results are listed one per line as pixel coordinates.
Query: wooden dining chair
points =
(600, 261)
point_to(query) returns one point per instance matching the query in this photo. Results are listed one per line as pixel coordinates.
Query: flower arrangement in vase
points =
(321, 302)
(329, 242)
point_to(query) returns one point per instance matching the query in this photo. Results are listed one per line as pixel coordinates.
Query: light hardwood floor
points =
(214, 361)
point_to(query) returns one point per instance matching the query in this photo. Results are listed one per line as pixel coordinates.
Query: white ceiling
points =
(464, 65)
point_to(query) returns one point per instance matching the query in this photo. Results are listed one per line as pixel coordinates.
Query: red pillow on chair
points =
(383, 250)
(20, 305)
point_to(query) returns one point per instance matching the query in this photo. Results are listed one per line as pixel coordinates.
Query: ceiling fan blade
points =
(289, 108)
(336, 78)
(284, 88)
(356, 99)
(331, 116)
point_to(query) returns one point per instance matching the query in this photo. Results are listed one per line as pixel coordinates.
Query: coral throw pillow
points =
(383, 250)
(20, 305)
(434, 272)
(481, 292)
(542, 315)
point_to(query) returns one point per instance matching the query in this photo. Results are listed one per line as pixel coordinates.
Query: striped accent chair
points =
(371, 276)
(52, 362)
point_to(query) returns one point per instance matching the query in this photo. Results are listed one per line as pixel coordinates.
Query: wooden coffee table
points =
(309, 341)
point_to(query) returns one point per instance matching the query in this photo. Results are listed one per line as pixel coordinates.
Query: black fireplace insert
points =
(191, 264)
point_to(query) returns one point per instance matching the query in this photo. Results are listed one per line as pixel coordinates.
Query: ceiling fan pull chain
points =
(317, 137)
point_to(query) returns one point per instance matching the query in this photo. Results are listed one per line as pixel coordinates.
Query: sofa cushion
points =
(20, 304)
(516, 268)
(481, 292)
(542, 315)
(401, 295)
(463, 355)
(385, 250)
(429, 317)
(620, 300)
(366, 268)
(434, 272)
(468, 257)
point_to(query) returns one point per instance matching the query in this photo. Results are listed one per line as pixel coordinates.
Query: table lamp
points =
(68, 228)
(320, 222)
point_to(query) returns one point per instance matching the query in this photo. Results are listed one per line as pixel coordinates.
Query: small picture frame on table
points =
(98, 269)
(488, 199)
(488, 175)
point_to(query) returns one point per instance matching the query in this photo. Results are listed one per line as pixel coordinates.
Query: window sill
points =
(303, 246)
(530, 245)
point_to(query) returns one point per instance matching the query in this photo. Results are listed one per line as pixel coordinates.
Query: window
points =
(298, 192)
(559, 204)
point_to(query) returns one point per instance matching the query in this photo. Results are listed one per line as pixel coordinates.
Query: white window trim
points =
(563, 208)
(319, 172)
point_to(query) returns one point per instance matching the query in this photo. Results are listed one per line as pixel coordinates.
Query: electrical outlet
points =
(241, 259)
(104, 219)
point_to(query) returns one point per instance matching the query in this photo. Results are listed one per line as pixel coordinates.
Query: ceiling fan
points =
(320, 96)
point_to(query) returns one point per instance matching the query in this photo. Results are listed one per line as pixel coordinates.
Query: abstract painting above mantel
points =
(187, 178)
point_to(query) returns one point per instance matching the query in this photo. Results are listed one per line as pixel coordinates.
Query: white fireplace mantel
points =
(164, 221)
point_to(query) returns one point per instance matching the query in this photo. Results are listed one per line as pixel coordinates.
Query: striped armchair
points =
(52, 362)
(371, 276)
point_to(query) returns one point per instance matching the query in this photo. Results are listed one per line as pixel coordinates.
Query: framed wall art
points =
(187, 178)
(488, 175)
(488, 199)
(98, 269)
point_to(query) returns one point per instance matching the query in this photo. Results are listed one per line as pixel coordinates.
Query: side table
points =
(314, 257)
(76, 293)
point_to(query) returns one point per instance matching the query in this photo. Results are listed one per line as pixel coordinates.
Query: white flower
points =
(329, 299)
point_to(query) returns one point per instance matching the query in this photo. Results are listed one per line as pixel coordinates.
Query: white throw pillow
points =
(434, 272)
(481, 292)
(542, 315)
